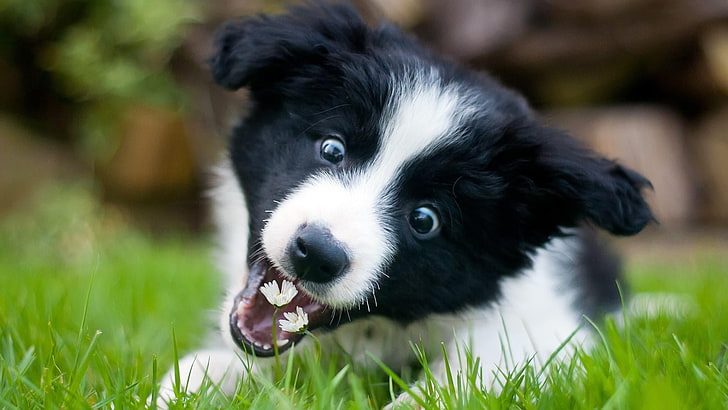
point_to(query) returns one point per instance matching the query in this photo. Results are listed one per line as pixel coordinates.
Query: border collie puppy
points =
(407, 198)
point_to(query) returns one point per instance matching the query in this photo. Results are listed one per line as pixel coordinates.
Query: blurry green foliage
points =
(121, 49)
(103, 54)
(62, 225)
(28, 17)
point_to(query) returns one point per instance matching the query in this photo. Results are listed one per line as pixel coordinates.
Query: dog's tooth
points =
(266, 346)
(257, 344)
(240, 326)
(241, 308)
(282, 342)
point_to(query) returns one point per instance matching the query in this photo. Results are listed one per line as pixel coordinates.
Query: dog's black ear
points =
(265, 49)
(569, 184)
(615, 201)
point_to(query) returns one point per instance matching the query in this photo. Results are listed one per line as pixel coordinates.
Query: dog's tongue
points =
(251, 318)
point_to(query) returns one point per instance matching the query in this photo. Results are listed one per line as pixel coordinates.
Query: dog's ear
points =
(265, 49)
(569, 184)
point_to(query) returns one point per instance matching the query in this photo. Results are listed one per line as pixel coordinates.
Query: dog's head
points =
(384, 180)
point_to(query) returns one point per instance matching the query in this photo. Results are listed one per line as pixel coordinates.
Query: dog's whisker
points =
(344, 157)
(341, 315)
(318, 122)
(332, 108)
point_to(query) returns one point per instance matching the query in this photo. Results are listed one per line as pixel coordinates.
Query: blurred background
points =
(110, 101)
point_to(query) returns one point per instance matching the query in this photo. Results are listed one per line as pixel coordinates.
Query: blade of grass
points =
(401, 383)
(155, 383)
(82, 327)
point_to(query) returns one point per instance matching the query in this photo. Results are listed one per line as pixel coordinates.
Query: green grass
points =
(88, 309)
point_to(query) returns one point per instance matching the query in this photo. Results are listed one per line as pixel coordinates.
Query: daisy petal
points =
(294, 322)
(276, 296)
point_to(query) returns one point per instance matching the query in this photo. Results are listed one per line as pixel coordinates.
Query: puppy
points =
(407, 198)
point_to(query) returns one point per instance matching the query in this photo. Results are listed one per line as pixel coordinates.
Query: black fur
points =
(598, 282)
(503, 191)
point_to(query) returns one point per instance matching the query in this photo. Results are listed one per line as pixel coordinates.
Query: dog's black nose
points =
(316, 255)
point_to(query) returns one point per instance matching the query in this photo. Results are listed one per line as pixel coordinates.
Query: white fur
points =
(231, 218)
(534, 316)
(350, 214)
(422, 115)
(220, 366)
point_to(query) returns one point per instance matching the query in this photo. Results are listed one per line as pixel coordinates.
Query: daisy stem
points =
(275, 344)
(317, 343)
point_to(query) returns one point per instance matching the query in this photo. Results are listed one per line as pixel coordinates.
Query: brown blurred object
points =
(710, 150)
(591, 10)
(647, 65)
(154, 175)
(10, 85)
(648, 139)
(657, 27)
(28, 162)
(154, 158)
(404, 13)
(639, 80)
(466, 29)
(715, 47)
(579, 53)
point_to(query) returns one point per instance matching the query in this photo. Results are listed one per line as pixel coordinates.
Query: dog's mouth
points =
(251, 318)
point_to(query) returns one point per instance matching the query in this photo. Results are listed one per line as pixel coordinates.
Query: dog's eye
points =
(332, 150)
(425, 222)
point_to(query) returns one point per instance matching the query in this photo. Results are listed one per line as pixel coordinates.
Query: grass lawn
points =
(89, 307)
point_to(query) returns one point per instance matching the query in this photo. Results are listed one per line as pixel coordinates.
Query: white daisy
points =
(296, 322)
(279, 297)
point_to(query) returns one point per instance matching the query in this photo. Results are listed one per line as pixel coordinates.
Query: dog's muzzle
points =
(313, 256)
(251, 317)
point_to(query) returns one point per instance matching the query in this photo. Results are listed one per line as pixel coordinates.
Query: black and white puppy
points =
(408, 199)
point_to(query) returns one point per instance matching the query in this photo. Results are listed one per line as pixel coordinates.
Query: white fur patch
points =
(533, 317)
(350, 215)
(422, 115)
(231, 218)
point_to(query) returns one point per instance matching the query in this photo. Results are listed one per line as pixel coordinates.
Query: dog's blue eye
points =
(425, 222)
(332, 150)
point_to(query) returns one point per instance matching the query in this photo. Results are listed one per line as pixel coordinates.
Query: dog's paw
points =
(403, 402)
(656, 304)
(205, 369)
